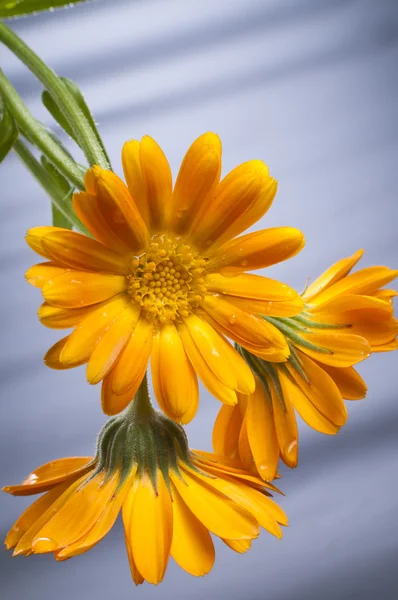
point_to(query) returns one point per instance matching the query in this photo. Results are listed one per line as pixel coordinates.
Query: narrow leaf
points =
(8, 132)
(17, 8)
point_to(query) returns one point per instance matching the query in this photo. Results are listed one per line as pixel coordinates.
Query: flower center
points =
(167, 280)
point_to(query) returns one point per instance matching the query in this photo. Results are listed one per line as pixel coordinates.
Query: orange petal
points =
(179, 402)
(81, 252)
(85, 337)
(112, 403)
(226, 430)
(343, 349)
(151, 529)
(40, 274)
(90, 210)
(50, 474)
(196, 183)
(240, 546)
(34, 238)
(348, 380)
(305, 408)
(158, 182)
(111, 344)
(286, 427)
(336, 272)
(133, 362)
(52, 358)
(75, 289)
(321, 390)
(242, 197)
(119, 209)
(210, 381)
(192, 547)
(126, 512)
(261, 433)
(56, 317)
(134, 177)
(256, 250)
(246, 327)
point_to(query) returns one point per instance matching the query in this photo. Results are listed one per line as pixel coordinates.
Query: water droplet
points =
(230, 271)
(232, 319)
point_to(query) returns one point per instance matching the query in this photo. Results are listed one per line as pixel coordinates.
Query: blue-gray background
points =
(310, 86)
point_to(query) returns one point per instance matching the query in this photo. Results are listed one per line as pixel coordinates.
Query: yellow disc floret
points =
(167, 280)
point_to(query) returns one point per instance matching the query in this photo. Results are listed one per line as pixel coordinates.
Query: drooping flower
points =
(165, 277)
(170, 498)
(346, 316)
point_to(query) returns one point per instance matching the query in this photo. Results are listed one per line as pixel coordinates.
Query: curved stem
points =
(141, 405)
(36, 133)
(78, 122)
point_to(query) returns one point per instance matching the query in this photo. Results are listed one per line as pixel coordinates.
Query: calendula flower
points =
(165, 278)
(346, 316)
(170, 499)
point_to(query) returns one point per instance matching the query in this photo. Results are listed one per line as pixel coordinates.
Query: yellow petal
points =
(261, 433)
(256, 250)
(286, 428)
(50, 474)
(348, 380)
(56, 317)
(102, 526)
(34, 238)
(40, 274)
(210, 346)
(111, 344)
(119, 209)
(31, 515)
(151, 529)
(192, 547)
(75, 289)
(389, 347)
(209, 380)
(91, 211)
(246, 327)
(112, 403)
(52, 358)
(320, 389)
(85, 337)
(364, 282)
(240, 546)
(343, 349)
(346, 304)
(245, 453)
(179, 402)
(226, 430)
(336, 272)
(77, 516)
(78, 251)
(305, 408)
(264, 296)
(242, 197)
(133, 362)
(244, 377)
(215, 511)
(135, 180)
(251, 500)
(158, 182)
(60, 495)
(196, 183)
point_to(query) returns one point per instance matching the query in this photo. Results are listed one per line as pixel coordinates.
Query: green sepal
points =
(292, 333)
(8, 131)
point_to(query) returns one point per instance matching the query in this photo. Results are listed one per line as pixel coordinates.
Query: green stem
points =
(47, 183)
(141, 405)
(78, 122)
(36, 133)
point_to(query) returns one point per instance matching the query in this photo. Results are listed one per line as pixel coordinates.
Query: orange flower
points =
(171, 500)
(156, 280)
(346, 316)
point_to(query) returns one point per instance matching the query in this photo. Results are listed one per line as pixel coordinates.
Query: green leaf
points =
(17, 8)
(8, 131)
(56, 113)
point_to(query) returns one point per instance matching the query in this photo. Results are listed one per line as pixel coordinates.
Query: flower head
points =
(346, 316)
(170, 498)
(165, 277)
